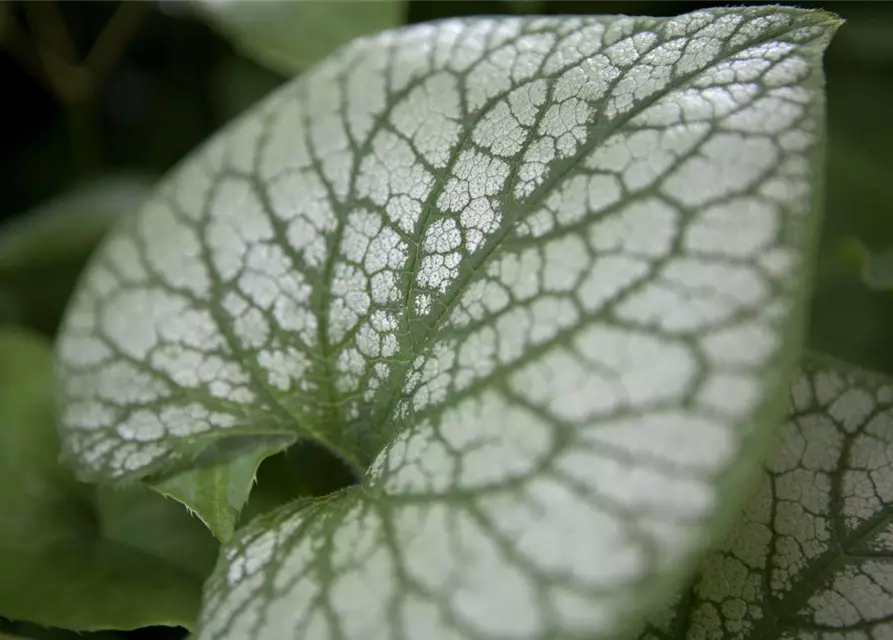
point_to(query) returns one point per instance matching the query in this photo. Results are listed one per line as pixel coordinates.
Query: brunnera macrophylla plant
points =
(538, 283)
(812, 555)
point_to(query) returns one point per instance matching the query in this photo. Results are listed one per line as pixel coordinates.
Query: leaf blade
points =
(217, 492)
(501, 277)
(72, 559)
(811, 551)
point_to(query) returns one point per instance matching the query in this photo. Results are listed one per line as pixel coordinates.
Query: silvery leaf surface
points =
(812, 555)
(538, 281)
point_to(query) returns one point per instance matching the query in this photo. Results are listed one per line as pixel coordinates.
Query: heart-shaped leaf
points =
(813, 554)
(539, 282)
(72, 556)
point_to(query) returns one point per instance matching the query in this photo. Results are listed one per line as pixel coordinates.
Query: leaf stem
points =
(51, 34)
(18, 44)
(52, 57)
(112, 41)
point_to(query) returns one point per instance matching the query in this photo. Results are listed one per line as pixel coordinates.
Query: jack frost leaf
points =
(538, 281)
(813, 554)
(290, 36)
(72, 556)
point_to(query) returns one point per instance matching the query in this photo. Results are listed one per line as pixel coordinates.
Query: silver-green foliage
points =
(812, 556)
(539, 282)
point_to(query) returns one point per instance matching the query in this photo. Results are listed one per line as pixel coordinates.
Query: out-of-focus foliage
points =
(72, 555)
(43, 251)
(849, 319)
(290, 36)
(875, 267)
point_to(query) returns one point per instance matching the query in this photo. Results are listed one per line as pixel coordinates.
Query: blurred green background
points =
(103, 97)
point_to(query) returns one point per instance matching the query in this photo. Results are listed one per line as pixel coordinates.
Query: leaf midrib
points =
(513, 210)
(553, 179)
(782, 613)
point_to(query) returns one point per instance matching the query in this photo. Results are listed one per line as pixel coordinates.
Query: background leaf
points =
(73, 556)
(43, 251)
(217, 491)
(875, 267)
(813, 553)
(290, 36)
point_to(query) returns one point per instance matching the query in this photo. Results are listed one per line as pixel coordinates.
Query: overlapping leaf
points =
(72, 556)
(43, 251)
(290, 36)
(813, 555)
(538, 281)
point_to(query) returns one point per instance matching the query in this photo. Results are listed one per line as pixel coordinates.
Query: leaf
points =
(288, 37)
(875, 267)
(812, 555)
(43, 251)
(538, 282)
(217, 491)
(72, 557)
(141, 520)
